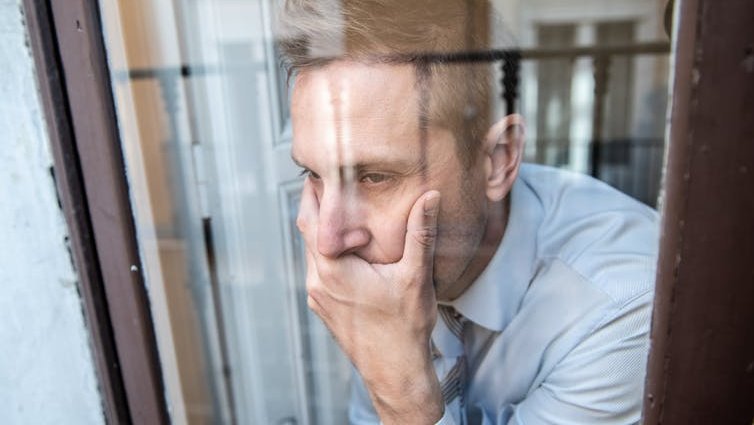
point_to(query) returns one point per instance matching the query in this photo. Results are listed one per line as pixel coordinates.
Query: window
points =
(705, 375)
(202, 107)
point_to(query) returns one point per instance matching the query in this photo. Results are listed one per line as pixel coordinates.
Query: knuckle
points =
(325, 271)
(425, 236)
(314, 291)
(301, 223)
(312, 304)
(311, 282)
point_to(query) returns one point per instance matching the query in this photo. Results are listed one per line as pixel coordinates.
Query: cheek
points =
(462, 219)
(388, 229)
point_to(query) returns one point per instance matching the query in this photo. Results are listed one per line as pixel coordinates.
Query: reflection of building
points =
(558, 93)
(207, 109)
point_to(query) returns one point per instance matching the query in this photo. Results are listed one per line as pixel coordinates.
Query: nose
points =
(342, 227)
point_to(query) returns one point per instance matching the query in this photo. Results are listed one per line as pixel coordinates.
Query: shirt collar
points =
(494, 298)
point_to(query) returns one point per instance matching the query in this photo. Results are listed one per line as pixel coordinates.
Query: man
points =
(416, 206)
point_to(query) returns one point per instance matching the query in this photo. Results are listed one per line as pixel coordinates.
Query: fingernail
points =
(432, 203)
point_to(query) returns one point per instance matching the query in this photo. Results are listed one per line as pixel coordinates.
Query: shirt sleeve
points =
(599, 382)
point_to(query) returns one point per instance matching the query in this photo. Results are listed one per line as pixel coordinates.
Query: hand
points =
(382, 315)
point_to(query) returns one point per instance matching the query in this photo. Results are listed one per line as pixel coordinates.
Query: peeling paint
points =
(46, 367)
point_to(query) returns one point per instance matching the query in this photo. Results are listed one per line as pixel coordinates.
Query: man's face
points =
(356, 132)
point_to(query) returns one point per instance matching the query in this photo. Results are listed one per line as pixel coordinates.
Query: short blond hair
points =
(313, 33)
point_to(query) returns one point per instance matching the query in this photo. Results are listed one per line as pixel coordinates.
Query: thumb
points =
(421, 231)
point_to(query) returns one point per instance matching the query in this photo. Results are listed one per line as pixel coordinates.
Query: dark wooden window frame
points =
(66, 38)
(701, 364)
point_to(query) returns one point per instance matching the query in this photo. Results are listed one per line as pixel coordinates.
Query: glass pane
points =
(203, 96)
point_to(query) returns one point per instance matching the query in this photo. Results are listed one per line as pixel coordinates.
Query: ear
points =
(503, 149)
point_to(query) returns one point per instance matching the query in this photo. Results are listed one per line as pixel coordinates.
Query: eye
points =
(309, 173)
(374, 178)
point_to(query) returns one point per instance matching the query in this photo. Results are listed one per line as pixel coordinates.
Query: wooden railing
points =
(510, 64)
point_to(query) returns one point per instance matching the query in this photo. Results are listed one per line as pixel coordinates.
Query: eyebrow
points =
(410, 166)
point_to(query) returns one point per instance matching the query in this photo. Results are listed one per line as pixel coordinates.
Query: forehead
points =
(358, 87)
(355, 109)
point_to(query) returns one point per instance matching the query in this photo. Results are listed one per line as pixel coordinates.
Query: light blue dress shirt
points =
(560, 317)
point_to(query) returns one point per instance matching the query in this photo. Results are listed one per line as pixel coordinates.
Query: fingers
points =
(316, 295)
(306, 222)
(421, 231)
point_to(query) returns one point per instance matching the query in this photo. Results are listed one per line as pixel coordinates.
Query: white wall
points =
(46, 370)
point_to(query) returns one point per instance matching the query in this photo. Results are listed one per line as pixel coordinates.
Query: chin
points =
(446, 273)
(452, 260)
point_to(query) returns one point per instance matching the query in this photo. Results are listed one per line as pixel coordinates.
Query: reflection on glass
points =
(204, 111)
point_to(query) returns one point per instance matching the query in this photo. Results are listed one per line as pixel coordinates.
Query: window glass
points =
(203, 95)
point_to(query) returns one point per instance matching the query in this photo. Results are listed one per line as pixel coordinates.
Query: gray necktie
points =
(455, 380)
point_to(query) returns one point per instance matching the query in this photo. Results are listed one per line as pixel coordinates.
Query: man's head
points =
(317, 32)
(375, 129)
